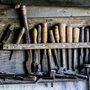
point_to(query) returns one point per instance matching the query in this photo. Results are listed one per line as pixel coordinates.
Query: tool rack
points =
(70, 18)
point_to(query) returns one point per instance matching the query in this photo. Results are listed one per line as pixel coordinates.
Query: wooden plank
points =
(37, 11)
(45, 46)
(75, 3)
(77, 85)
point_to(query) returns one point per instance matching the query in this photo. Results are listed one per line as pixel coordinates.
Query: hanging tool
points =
(28, 52)
(57, 38)
(35, 51)
(81, 58)
(51, 66)
(76, 36)
(39, 53)
(54, 52)
(87, 40)
(62, 33)
(18, 40)
(44, 58)
(69, 40)
(8, 34)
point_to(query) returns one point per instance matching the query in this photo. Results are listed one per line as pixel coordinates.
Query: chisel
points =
(81, 55)
(8, 34)
(62, 33)
(28, 41)
(76, 35)
(18, 40)
(87, 40)
(44, 58)
(57, 39)
(39, 53)
(51, 67)
(69, 40)
(54, 51)
(35, 51)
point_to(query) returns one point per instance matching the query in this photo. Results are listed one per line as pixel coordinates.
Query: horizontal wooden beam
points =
(45, 46)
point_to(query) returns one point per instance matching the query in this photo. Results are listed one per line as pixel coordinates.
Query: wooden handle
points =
(35, 35)
(62, 32)
(20, 35)
(24, 16)
(56, 31)
(69, 34)
(44, 33)
(82, 34)
(24, 10)
(39, 33)
(51, 36)
(11, 27)
(8, 34)
(49, 52)
(76, 34)
(87, 34)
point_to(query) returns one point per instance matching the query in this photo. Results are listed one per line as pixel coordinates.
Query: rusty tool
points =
(69, 40)
(8, 34)
(76, 36)
(39, 41)
(87, 50)
(18, 40)
(29, 53)
(62, 33)
(44, 58)
(57, 38)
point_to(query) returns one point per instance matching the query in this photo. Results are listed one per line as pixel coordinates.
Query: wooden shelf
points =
(45, 46)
